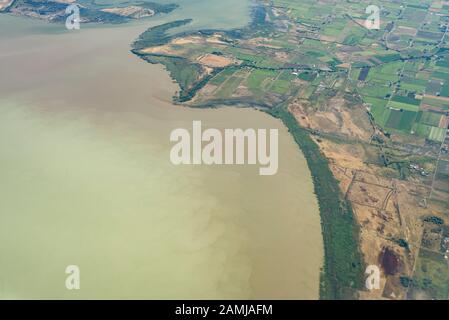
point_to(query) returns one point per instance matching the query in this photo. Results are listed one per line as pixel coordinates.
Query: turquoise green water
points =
(86, 179)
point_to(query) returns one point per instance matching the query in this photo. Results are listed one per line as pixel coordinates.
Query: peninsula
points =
(368, 108)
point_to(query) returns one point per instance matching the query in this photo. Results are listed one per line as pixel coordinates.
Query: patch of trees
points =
(406, 281)
(157, 36)
(402, 243)
(434, 219)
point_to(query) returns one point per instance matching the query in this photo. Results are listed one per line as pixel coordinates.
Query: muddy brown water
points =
(86, 179)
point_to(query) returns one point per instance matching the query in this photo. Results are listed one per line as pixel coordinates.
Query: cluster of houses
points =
(418, 168)
(445, 149)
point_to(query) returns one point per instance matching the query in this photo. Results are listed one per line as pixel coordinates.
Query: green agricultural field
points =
(444, 63)
(222, 76)
(431, 275)
(281, 86)
(258, 80)
(444, 105)
(429, 118)
(401, 120)
(381, 114)
(371, 90)
(434, 87)
(440, 75)
(383, 76)
(437, 134)
(422, 130)
(307, 76)
(229, 86)
(414, 85)
(406, 100)
(445, 90)
(403, 106)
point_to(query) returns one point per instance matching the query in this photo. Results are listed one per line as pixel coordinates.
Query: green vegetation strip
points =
(343, 269)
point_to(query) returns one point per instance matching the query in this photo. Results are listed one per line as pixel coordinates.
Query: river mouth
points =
(87, 181)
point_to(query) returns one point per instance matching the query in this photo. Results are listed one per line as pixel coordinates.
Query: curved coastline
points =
(269, 253)
(342, 272)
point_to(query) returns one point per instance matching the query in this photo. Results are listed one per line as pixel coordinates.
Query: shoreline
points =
(247, 238)
(341, 272)
(330, 286)
(342, 268)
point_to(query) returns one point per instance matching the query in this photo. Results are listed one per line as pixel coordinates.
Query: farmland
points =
(368, 107)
